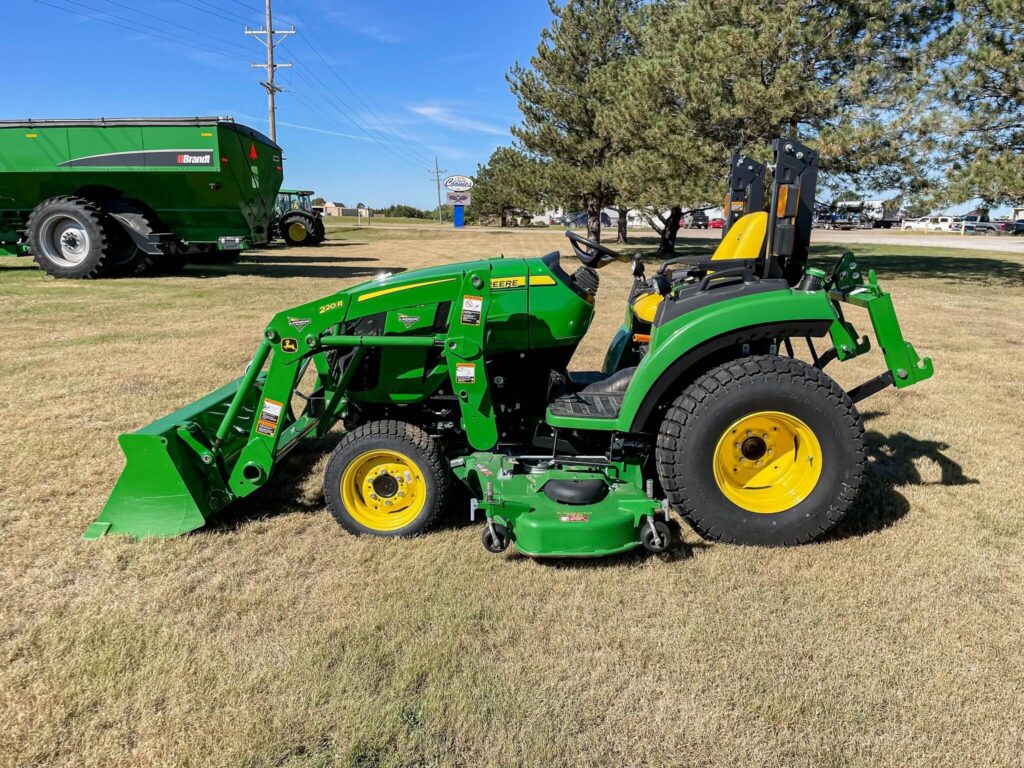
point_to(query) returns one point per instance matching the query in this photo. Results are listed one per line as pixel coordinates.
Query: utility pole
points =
(436, 173)
(266, 36)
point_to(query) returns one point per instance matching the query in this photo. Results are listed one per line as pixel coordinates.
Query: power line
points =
(215, 11)
(401, 161)
(270, 67)
(409, 148)
(164, 20)
(137, 29)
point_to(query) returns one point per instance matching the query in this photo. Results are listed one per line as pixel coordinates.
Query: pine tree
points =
(561, 93)
(716, 76)
(978, 66)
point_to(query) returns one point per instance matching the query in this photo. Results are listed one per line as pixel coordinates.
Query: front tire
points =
(765, 450)
(386, 478)
(68, 238)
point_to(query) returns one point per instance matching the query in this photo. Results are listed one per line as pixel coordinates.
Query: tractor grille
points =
(586, 280)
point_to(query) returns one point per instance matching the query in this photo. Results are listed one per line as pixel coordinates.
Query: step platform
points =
(593, 395)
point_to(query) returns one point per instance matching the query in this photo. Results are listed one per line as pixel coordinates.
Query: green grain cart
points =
(134, 196)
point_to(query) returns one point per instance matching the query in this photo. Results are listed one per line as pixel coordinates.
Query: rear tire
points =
(69, 238)
(765, 450)
(131, 260)
(386, 478)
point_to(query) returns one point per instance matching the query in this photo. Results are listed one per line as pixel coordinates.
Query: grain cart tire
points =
(130, 260)
(297, 230)
(765, 450)
(386, 478)
(69, 237)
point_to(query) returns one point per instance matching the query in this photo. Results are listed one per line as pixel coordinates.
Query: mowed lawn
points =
(272, 638)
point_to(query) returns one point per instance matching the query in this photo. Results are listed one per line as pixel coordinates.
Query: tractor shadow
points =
(977, 269)
(893, 462)
(279, 266)
(1005, 270)
(287, 492)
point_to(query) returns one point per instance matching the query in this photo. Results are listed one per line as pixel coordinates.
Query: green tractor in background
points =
(457, 375)
(295, 220)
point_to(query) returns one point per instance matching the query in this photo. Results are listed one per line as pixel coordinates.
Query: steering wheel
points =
(598, 255)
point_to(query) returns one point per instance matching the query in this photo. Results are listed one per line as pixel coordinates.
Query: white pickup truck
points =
(933, 224)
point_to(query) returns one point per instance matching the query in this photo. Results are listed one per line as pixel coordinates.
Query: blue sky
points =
(377, 90)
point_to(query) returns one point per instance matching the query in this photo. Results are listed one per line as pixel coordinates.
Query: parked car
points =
(579, 219)
(1015, 227)
(694, 220)
(716, 224)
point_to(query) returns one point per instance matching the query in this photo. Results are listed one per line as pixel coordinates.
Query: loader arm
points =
(195, 461)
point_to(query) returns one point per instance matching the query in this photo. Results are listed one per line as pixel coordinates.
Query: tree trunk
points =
(594, 220)
(504, 218)
(667, 246)
(623, 236)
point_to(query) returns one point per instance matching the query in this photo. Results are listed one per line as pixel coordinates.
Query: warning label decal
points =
(472, 306)
(465, 373)
(270, 415)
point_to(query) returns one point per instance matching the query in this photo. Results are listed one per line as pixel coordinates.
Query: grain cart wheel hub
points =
(383, 490)
(767, 462)
(68, 240)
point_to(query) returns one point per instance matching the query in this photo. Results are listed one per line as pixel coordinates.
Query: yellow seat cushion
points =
(744, 238)
(645, 305)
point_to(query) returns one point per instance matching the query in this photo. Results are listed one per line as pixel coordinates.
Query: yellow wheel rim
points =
(767, 462)
(383, 490)
(297, 231)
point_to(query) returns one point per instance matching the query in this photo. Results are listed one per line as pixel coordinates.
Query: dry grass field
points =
(272, 638)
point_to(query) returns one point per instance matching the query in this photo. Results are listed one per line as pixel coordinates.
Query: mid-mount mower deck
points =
(458, 374)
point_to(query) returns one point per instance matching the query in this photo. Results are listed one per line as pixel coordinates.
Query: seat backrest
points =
(745, 239)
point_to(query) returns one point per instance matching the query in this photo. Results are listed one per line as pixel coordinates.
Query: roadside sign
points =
(458, 183)
(459, 198)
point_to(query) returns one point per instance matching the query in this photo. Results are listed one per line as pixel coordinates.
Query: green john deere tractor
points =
(295, 220)
(457, 375)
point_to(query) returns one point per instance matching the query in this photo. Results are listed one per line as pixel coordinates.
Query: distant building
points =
(338, 209)
(1018, 213)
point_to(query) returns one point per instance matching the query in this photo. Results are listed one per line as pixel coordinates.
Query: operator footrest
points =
(598, 399)
(587, 406)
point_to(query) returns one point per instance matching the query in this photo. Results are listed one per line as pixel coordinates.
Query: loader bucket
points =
(172, 482)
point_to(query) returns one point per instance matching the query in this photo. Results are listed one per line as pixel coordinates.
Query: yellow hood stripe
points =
(397, 288)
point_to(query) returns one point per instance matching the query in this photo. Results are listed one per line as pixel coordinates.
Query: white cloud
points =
(448, 118)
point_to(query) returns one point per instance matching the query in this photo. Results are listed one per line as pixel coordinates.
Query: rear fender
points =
(684, 346)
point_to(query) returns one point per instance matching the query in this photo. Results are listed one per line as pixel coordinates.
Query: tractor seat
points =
(745, 238)
(598, 399)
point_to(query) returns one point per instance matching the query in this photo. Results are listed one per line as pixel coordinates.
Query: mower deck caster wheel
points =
(655, 536)
(496, 538)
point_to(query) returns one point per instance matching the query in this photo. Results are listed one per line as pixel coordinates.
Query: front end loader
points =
(459, 375)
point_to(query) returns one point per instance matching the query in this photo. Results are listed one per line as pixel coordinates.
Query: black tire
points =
(69, 237)
(297, 230)
(390, 435)
(701, 417)
(130, 260)
(319, 231)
